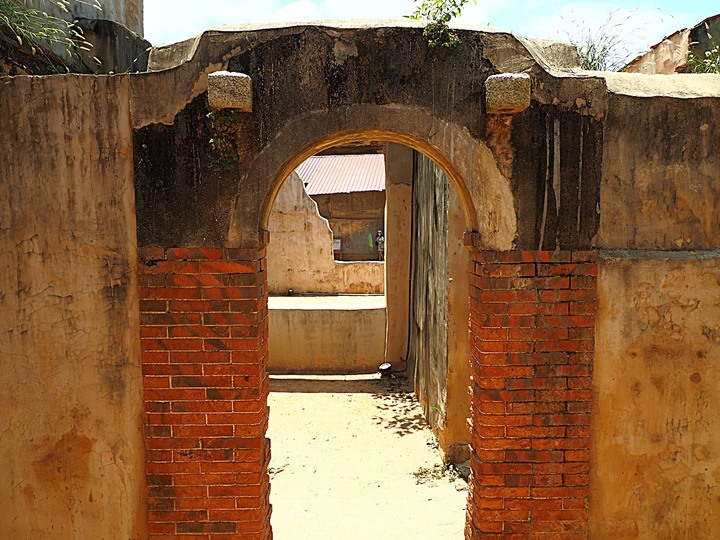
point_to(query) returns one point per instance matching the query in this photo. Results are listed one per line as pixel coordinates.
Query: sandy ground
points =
(344, 454)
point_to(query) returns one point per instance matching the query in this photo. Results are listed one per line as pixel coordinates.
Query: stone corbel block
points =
(507, 93)
(228, 90)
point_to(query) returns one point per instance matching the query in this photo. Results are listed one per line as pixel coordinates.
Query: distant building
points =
(350, 193)
(671, 54)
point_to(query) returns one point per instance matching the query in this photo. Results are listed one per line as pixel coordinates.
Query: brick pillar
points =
(532, 331)
(204, 352)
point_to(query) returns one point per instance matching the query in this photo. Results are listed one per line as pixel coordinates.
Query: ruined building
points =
(670, 56)
(582, 242)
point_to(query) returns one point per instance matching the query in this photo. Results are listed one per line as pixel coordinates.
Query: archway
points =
(475, 160)
(437, 353)
(470, 165)
(226, 314)
(313, 86)
(378, 135)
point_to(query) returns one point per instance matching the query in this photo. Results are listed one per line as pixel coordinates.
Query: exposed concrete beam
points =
(507, 93)
(227, 90)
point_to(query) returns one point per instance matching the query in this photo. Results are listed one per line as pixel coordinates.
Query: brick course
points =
(204, 347)
(204, 351)
(532, 318)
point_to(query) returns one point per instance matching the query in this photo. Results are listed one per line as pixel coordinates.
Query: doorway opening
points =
(335, 424)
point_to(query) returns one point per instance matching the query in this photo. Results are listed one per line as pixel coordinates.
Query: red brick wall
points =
(204, 351)
(204, 342)
(532, 324)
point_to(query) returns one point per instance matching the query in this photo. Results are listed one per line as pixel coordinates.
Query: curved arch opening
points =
(377, 135)
(409, 284)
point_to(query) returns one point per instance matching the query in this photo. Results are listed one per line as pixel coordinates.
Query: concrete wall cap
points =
(507, 93)
(228, 90)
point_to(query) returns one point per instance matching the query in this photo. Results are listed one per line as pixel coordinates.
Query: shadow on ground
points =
(397, 398)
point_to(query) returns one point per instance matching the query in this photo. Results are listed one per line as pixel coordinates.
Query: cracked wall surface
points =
(656, 464)
(71, 442)
(659, 188)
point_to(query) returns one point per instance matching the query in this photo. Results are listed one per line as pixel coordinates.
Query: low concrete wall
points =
(326, 334)
(300, 255)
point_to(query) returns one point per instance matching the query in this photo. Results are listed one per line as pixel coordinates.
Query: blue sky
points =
(644, 24)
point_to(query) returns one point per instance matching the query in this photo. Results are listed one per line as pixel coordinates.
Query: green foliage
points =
(710, 61)
(37, 28)
(223, 143)
(430, 475)
(437, 14)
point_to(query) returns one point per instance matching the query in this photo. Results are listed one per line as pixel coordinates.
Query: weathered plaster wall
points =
(428, 354)
(71, 447)
(181, 198)
(667, 57)
(338, 334)
(556, 168)
(671, 54)
(659, 187)
(655, 461)
(654, 425)
(300, 253)
(117, 48)
(331, 71)
(454, 436)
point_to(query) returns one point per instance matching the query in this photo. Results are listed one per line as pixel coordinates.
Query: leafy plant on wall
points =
(37, 28)
(437, 14)
(709, 62)
(223, 142)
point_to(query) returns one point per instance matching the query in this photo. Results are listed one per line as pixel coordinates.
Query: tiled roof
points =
(343, 173)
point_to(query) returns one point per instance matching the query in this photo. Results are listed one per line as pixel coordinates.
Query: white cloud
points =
(636, 28)
(367, 9)
(301, 10)
(167, 21)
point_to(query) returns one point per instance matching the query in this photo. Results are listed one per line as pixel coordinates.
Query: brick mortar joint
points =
(532, 258)
(202, 254)
(513, 257)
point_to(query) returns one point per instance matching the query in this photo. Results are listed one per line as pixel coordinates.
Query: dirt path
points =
(345, 458)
